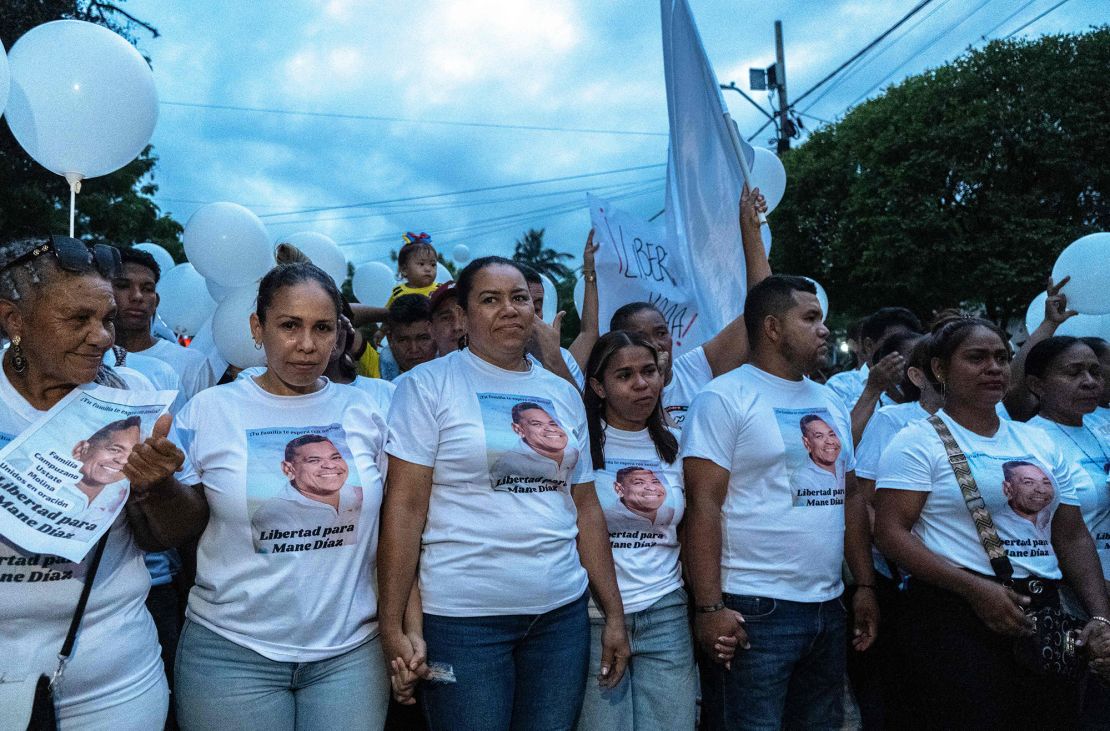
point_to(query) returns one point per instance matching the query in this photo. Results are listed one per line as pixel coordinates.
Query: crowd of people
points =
(517, 535)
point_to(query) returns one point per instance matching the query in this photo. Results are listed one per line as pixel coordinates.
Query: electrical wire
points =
(1007, 19)
(1022, 27)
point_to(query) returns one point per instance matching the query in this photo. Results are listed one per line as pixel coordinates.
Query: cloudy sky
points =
(385, 116)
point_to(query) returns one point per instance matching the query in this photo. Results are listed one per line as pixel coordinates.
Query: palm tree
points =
(529, 250)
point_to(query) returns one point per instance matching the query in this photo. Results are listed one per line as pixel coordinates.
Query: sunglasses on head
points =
(78, 257)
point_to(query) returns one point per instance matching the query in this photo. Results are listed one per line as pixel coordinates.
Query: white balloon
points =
(443, 274)
(231, 329)
(184, 303)
(550, 299)
(822, 297)
(769, 176)
(228, 244)
(218, 292)
(82, 100)
(1086, 261)
(5, 78)
(322, 250)
(1034, 314)
(461, 253)
(579, 294)
(162, 257)
(372, 283)
(1082, 326)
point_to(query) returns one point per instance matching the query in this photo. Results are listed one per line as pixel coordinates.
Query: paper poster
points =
(528, 449)
(815, 459)
(639, 502)
(61, 480)
(303, 489)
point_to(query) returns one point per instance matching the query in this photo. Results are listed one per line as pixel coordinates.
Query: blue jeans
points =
(512, 671)
(793, 675)
(659, 687)
(223, 685)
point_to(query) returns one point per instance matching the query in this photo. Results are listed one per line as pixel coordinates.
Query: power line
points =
(1020, 28)
(1007, 19)
(371, 204)
(411, 120)
(913, 11)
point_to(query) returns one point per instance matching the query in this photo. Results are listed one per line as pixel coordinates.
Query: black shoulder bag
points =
(1051, 649)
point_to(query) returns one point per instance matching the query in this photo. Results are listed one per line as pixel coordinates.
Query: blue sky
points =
(568, 64)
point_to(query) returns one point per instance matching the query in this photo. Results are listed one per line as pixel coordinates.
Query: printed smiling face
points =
(821, 442)
(539, 430)
(1027, 488)
(640, 490)
(104, 454)
(316, 468)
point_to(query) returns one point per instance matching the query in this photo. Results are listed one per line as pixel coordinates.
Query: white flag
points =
(704, 178)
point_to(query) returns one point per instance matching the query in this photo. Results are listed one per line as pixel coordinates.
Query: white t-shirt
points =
(501, 532)
(1040, 478)
(1088, 453)
(880, 430)
(192, 366)
(158, 372)
(642, 510)
(116, 657)
(690, 373)
(782, 522)
(849, 385)
(281, 572)
(1100, 421)
(572, 366)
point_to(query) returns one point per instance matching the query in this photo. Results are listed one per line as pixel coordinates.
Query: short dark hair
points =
(521, 407)
(1099, 345)
(410, 250)
(771, 297)
(1041, 355)
(948, 337)
(1009, 467)
(886, 318)
(624, 472)
(304, 440)
(899, 343)
(407, 309)
(531, 276)
(130, 255)
(809, 419)
(465, 281)
(624, 313)
(105, 432)
(290, 275)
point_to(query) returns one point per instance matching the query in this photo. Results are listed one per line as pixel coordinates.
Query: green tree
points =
(529, 249)
(957, 187)
(115, 208)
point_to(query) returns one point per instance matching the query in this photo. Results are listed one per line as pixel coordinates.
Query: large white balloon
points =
(1034, 314)
(161, 256)
(231, 329)
(550, 299)
(218, 292)
(5, 78)
(322, 250)
(184, 302)
(1087, 262)
(443, 274)
(822, 298)
(579, 294)
(372, 283)
(769, 176)
(461, 253)
(1082, 326)
(228, 244)
(82, 101)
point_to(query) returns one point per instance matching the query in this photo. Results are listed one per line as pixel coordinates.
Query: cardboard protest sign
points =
(61, 480)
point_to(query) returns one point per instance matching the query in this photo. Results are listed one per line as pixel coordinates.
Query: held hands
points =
(865, 611)
(1000, 608)
(719, 633)
(408, 666)
(155, 460)
(752, 206)
(615, 652)
(1095, 637)
(1056, 304)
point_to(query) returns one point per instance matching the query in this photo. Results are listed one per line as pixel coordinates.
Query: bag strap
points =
(79, 612)
(984, 524)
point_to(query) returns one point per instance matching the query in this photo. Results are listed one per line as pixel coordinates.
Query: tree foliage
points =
(529, 249)
(959, 186)
(115, 208)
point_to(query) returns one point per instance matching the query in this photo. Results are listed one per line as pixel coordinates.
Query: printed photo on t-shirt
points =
(303, 491)
(528, 450)
(1022, 498)
(638, 501)
(815, 459)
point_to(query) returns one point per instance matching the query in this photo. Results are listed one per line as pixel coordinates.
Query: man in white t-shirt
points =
(641, 494)
(764, 556)
(1028, 492)
(136, 302)
(543, 452)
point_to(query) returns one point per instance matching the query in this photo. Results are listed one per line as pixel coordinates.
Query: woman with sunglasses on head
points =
(57, 309)
(965, 628)
(639, 485)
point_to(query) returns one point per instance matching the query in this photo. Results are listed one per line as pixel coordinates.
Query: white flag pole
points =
(739, 150)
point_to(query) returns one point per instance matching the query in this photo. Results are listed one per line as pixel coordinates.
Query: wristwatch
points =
(710, 608)
(590, 276)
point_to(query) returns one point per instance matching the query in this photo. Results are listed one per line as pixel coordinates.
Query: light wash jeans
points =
(222, 685)
(659, 687)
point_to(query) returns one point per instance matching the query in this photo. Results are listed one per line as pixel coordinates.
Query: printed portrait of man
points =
(103, 457)
(317, 493)
(544, 449)
(1029, 493)
(816, 478)
(641, 495)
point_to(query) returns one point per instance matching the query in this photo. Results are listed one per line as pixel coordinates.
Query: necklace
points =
(1088, 455)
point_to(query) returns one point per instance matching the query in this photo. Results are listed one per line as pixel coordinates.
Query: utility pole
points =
(785, 125)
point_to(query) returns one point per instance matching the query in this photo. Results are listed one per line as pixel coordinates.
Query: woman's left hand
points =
(615, 652)
(155, 460)
(1095, 636)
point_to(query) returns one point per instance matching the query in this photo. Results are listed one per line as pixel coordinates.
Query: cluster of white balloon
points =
(1087, 261)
